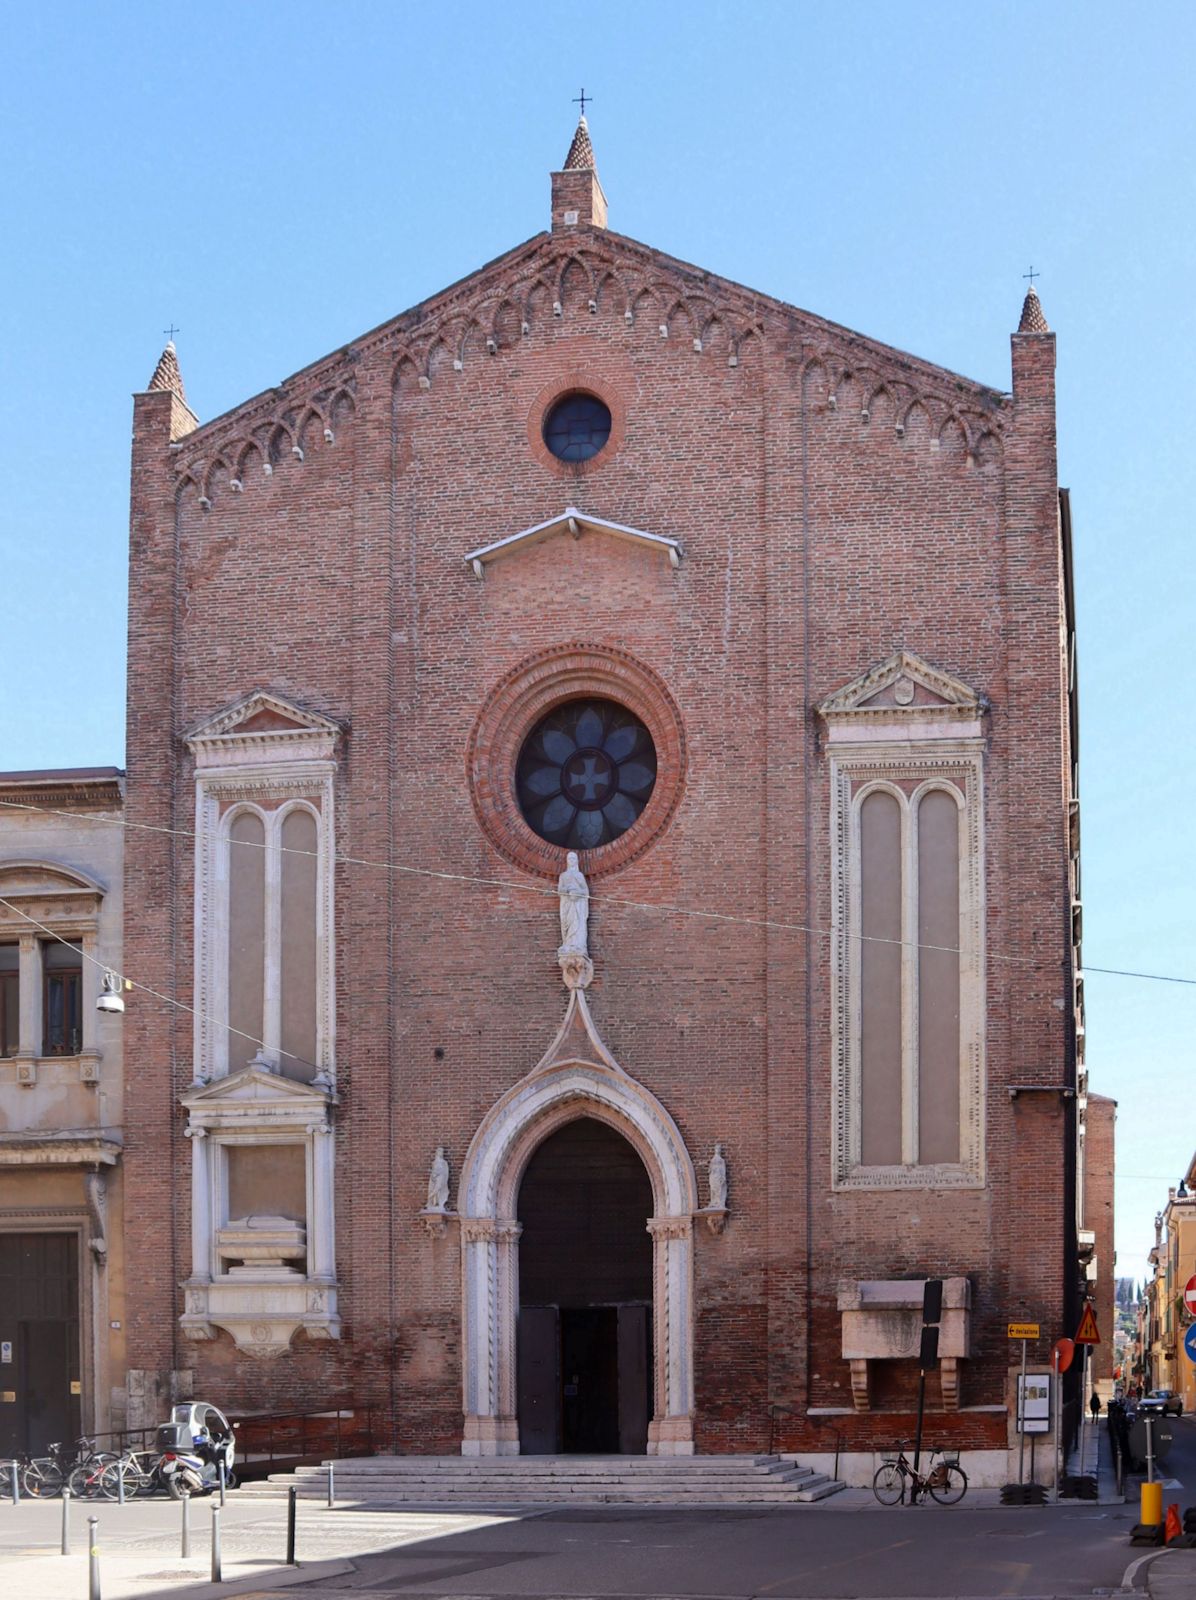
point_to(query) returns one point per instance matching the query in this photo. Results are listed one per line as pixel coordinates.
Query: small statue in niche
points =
(438, 1182)
(718, 1180)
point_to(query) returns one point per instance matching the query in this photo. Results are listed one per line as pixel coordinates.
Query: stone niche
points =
(882, 1321)
(263, 1229)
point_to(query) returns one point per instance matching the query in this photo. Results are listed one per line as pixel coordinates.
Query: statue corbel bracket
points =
(436, 1221)
(715, 1217)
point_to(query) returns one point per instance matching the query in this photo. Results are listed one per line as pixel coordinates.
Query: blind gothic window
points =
(909, 986)
(271, 972)
(909, 1007)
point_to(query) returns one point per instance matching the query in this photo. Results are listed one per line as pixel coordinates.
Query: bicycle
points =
(44, 1476)
(138, 1472)
(83, 1480)
(946, 1481)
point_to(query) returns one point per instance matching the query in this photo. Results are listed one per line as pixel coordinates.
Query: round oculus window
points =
(577, 427)
(584, 774)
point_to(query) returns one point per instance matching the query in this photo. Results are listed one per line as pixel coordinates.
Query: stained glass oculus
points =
(585, 773)
(577, 427)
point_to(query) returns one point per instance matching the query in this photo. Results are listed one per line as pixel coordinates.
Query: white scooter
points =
(179, 1468)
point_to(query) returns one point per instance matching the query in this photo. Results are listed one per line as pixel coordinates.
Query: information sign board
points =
(1034, 1403)
(1023, 1330)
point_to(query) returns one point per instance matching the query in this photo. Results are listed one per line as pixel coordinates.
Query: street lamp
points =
(110, 998)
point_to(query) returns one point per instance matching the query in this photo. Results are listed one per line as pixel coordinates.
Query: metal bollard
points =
(223, 1484)
(120, 1483)
(66, 1521)
(291, 1496)
(331, 1485)
(185, 1547)
(217, 1576)
(93, 1559)
(14, 1468)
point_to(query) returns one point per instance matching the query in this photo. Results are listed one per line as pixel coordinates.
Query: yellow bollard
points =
(1151, 1513)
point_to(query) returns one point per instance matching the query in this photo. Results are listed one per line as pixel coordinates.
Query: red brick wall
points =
(815, 544)
(1099, 1163)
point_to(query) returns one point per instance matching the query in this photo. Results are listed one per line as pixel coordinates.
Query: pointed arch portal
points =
(558, 1092)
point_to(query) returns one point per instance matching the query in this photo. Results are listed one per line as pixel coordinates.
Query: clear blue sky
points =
(276, 179)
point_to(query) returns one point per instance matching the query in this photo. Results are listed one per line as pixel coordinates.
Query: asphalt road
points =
(775, 1554)
(841, 1550)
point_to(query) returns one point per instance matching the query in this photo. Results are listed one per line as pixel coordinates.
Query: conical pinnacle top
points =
(581, 151)
(1033, 320)
(167, 374)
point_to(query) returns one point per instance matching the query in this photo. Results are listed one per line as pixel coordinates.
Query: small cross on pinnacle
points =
(171, 331)
(1032, 275)
(583, 100)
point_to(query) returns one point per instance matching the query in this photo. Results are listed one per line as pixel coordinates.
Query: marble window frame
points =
(954, 766)
(270, 793)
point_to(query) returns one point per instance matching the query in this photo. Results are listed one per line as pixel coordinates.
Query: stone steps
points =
(385, 1482)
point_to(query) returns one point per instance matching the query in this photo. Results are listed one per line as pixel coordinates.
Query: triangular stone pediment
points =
(262, 713)
(577, 1040)
(904, 686)
(256, 1087)
(575, 524)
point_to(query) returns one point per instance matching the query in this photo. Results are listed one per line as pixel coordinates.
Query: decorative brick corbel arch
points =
(559, 1091)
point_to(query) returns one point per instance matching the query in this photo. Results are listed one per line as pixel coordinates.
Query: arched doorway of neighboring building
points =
(585, 1295)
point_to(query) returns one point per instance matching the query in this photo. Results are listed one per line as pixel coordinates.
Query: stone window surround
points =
(71, 910)
(957, 772)
(267, 773)
(272, 819)
(266, 755)
(930, 742)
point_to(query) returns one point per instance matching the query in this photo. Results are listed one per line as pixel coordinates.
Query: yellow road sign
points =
(1024, 1330)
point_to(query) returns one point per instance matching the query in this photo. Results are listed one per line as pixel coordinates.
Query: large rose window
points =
(584, 774)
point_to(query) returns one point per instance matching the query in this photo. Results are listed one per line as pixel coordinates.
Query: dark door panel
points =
(39, 1319)
(634, 1371)
(539, 1381)
(590, 1370)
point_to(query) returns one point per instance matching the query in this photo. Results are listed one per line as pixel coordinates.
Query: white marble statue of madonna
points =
(574, 894)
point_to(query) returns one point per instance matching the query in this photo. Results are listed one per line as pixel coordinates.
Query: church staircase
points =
(392, 1482)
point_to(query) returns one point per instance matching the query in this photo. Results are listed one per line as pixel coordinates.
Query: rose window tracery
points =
(585, 772)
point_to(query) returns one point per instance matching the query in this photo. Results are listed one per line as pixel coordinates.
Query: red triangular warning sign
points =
(1089, 1333)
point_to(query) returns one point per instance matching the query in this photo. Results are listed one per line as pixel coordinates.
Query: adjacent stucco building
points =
(62, 1262)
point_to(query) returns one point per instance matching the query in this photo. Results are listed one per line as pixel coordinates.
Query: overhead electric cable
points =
(133, 983)
(548, 892)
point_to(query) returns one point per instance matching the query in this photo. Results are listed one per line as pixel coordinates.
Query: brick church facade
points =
(769, 623)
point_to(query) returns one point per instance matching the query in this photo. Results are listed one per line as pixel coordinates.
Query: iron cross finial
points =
(1031, 275)
(171, 331)
(583, 99)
